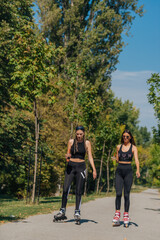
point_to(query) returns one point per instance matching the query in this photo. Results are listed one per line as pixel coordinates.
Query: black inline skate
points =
(60, 217)
(77, 216)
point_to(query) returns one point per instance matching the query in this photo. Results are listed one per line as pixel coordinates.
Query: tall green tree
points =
(13, 15)
(144, 137)
(33, 75)
(91, 32)
(154, 99)
(108, 135)
(126, 114)
(153, 164)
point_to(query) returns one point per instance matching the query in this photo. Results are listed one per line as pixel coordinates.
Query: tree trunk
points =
(100, 171)
(74, 106)
(36, 149)
(108, 187)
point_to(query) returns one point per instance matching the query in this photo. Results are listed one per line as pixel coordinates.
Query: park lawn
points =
(12, 209)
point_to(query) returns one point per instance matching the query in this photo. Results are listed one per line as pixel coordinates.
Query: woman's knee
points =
(119, 194)
(126, 195)
(66, 190)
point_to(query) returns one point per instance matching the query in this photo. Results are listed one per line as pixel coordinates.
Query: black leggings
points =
(124, 177)
(78, 171)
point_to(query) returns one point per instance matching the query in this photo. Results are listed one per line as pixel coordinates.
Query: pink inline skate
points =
(126, 219)
(116, 219)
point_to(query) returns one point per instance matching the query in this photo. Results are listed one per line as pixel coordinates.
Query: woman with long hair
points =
(76, 168)
(124, 175)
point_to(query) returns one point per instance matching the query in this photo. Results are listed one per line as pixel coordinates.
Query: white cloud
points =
(124, 75)
(133, 86)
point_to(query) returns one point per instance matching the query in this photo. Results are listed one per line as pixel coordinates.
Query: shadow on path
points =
(133, 223)
(130, 223)
(155, 198)
(82, 221)
(9, 218)
(153, 209)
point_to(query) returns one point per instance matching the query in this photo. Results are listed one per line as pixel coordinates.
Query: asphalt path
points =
(96, 222)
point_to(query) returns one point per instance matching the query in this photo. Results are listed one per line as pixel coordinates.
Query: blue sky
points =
(139, 59)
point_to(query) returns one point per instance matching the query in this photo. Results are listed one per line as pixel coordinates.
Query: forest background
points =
(56, 75)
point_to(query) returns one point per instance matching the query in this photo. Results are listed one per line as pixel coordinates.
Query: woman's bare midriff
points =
(124, 162)
(77, 160)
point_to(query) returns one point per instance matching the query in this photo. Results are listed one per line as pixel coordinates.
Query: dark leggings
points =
(124, 177)
(74, 170)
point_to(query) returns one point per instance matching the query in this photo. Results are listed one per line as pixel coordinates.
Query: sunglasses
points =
(126, 137)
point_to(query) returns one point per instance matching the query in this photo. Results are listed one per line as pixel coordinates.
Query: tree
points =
(154, 99)
(108, 135)
(153, 164)
(126, 114)
(13, 15)
(33, 76)
(91, 32)
(144, 137)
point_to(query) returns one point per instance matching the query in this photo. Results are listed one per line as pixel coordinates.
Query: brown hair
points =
(75, 140)
(132, 138)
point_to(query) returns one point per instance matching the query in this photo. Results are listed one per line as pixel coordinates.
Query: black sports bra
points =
(125, 156)
(81, 150)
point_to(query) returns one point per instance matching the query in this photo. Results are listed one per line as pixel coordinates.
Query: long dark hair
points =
(132, 138)
(75, 140)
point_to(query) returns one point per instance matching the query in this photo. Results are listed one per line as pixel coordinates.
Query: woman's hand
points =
(94, 174)
(67, 156)
(138, 174)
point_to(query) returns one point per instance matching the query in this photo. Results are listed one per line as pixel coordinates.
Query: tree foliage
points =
(154, 99)
(60, 76)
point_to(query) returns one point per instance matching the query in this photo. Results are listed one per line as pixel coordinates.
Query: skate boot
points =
(116, 219)
(126, 219)
(60, 217)
(77, 216)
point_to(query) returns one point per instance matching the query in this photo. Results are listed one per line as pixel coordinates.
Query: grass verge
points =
(12, 209)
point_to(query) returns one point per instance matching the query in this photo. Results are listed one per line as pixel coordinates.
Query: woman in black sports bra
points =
(76, 168)
(124, 175)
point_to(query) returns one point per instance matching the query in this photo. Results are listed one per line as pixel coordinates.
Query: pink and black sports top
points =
(125, 156)
(81, 150)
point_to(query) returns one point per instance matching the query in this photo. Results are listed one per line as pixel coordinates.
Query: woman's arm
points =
(135, 152)
(88, 145)
(117, 157)
(68, 155)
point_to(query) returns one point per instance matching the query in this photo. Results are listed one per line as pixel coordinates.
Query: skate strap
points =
(77, 211)
(117, 213)
(125, 215)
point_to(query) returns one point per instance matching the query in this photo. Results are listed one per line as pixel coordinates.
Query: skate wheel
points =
(78, 222)
(58, 220)
(126, 225)
(115, 224)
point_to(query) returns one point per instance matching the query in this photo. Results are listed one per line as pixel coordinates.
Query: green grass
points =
(12, 209)
(138, 189)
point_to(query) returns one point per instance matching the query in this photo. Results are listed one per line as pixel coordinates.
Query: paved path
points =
(96, 223)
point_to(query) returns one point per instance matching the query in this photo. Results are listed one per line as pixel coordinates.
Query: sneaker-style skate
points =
(77, 216)
(116, 219)
(126, 219)
(60, 217)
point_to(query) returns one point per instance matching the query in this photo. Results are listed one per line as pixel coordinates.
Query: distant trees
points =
(154, 99)
(91, 33)
(30, 62)
(57, 77)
